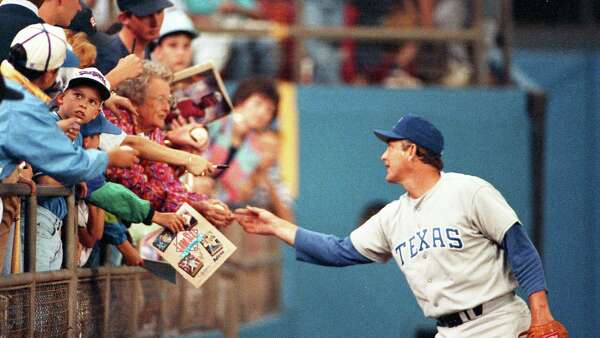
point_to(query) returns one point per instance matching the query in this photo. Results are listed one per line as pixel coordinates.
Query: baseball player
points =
(455, 238)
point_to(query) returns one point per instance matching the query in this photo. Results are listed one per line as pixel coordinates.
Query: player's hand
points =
(262, 222)
(170, 220)
(257, 220)
(215, 211)
(117, 102)
(123, 157)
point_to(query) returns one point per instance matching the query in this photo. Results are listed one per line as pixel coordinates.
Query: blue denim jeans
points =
(49, 251)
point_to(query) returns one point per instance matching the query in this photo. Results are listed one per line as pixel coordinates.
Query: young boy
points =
(79, 103)
(174, 46)
(82, 100)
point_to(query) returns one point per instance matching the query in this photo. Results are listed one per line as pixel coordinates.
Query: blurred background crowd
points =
(134, 147)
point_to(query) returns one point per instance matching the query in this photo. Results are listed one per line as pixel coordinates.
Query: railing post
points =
(29, 259)
(106, 301)
(136, 294)
(229, 320)
(30, 234)
(70, 228)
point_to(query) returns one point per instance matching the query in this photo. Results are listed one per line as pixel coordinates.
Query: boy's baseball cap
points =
(143, 7)
(7, 93)
(417, 130)
(176, 21)
(99, 125)
(91, 77)
(84, 21)
(46, 47)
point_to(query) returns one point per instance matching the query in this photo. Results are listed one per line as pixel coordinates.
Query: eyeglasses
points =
(78, 96)
(170, 100)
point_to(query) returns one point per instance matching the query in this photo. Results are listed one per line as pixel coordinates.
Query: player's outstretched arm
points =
(311, 247)
(262, 222)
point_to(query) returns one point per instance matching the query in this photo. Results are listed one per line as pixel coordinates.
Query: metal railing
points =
(109, 301)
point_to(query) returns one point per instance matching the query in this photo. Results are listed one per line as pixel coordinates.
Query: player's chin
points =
(390, 178)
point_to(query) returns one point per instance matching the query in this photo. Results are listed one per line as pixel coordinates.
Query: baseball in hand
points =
(199, 135)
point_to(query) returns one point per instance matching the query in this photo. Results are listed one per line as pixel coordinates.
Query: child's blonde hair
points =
(82, 47)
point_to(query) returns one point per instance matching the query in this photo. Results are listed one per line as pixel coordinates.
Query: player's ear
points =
(412, 151)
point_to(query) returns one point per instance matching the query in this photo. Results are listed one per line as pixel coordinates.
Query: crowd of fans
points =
(93, 111)
(88, 111)
(391, 64)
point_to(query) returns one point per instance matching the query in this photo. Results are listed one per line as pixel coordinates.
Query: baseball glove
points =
(553, 329)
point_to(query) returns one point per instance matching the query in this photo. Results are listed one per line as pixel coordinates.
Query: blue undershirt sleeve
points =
(524, 260)
(327, 250)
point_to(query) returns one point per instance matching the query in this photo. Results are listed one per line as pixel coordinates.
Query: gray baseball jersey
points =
(447, 243)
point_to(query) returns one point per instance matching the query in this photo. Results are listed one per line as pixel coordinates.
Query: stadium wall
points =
(487, 134)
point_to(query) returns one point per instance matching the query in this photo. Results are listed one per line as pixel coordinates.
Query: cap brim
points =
(191, 34)
(104, 92)
(109, 128)
(99, 125)
(387, 136)
(99, 39)
(71, 60)
(144, 9)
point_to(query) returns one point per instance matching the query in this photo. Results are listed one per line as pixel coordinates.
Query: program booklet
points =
(199, 93)
(197, 252)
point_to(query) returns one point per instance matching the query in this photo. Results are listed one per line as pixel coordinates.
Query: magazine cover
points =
(199, 93)
(197, 252)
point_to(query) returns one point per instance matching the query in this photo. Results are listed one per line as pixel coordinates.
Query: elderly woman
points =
(154, 181)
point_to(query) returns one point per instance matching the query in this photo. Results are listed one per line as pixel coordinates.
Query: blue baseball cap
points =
(99, 125)
(417, 130)
(143, 7)
(84, 21)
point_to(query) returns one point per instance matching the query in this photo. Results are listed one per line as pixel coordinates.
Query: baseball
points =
(125, 148)
(200, 135)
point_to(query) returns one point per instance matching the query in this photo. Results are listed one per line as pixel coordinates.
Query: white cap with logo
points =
(91, 77)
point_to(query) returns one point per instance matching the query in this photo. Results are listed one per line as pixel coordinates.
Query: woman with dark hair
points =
(234, 139)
